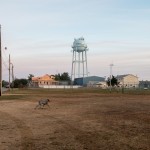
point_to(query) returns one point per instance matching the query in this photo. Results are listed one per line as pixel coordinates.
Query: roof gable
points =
(46, 77)
(122, 76)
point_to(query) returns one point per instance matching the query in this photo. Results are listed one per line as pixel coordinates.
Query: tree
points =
(57, 77)
(62, 77)
(113, 82)
(5, 83)
(30, 77)
(20, 83)
(65, 77)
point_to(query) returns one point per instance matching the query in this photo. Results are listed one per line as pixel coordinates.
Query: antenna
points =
(111, 65)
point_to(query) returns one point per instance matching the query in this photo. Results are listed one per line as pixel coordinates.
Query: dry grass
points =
(76, 120)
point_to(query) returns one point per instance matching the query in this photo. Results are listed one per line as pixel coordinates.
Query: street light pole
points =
(9, 72)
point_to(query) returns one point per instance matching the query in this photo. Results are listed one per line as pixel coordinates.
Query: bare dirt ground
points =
(84, 121)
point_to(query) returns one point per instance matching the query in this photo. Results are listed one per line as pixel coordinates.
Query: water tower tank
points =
(79, 45)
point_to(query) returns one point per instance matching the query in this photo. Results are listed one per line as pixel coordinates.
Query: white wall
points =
(59, 86)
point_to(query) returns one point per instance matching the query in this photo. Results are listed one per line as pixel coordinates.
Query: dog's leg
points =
(36, 106)
(42, 106)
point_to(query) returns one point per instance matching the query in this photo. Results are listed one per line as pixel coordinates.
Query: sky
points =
(39, 34)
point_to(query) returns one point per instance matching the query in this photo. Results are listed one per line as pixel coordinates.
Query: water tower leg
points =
(72, 66)
(79, 65)
(75, 61)
(86, 63)
(83, 63)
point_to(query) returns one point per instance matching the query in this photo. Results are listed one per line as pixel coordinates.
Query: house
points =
(88, 81)
(128, 81)
(44, 80)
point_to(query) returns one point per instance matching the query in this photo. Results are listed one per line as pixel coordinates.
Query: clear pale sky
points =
(39, 34)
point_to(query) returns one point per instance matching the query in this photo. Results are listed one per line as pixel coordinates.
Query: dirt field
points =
(75, 121)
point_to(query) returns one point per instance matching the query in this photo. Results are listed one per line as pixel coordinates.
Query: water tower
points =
(79, 59)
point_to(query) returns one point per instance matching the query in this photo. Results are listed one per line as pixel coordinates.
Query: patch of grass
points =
(41, 92)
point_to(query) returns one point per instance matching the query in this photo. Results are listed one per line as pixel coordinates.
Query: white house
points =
(128, 81)
(44, 80)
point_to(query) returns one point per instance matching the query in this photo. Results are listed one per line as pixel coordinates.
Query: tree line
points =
(22, 83)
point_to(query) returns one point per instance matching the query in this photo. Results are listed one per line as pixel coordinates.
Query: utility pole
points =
(0, 64)
(12, 75)
(9, 72)
(111, 65)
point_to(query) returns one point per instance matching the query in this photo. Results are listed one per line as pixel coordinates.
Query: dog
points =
(42, 103)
